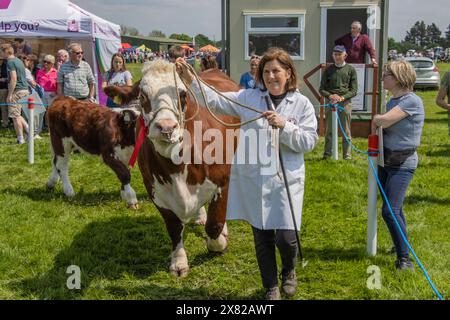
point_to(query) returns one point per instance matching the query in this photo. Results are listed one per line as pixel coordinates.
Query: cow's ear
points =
(123, 95)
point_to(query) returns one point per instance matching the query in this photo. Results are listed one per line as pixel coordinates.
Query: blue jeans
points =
(395, 181)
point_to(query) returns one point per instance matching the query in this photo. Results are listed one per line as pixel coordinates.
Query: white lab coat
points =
(258, 195)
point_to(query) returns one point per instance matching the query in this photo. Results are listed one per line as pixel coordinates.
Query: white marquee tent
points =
(42, 22)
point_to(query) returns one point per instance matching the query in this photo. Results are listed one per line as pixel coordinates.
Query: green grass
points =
(124, 254)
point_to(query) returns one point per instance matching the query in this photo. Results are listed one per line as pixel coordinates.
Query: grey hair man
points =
(357, 45)
(62, 56)
(75, 77)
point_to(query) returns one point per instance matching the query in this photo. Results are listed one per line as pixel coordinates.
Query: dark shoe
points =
(273, 294)
(289, 283)
(326, 157)
(404, 264)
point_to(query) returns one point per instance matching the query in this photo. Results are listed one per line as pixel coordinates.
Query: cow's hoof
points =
(133, 206)
(218, 245)
(179, 271)
(49, 186)
(69, 193)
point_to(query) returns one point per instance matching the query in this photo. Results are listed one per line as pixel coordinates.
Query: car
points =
(427, 74)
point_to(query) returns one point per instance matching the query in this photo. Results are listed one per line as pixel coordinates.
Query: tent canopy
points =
(209, 48)
(61, 19)
(186, 47)
(143, 48)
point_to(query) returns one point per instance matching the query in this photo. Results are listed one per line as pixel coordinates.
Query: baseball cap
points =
(339, 48)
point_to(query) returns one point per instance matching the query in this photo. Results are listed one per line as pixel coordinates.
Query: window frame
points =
(300, 30)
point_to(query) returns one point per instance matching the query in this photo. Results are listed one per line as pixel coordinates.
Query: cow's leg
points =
(62, 166)
(54, 176)
(62, 150)
(123, 173)
(179, 263)
(216, 228)
(201, 217)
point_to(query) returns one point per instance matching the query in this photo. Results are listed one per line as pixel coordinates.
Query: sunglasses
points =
(48, 62)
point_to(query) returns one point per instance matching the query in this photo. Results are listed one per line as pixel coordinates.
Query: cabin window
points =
(263, 31)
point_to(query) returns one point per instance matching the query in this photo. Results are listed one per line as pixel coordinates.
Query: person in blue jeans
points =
(402, 128)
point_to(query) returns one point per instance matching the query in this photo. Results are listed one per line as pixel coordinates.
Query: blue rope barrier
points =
(424, 271)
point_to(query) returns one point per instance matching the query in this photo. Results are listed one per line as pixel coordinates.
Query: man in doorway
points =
(357, 45)
(339, 84)
(75, 77)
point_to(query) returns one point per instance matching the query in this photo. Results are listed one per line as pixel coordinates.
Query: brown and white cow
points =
(93, 129)
(180, 190)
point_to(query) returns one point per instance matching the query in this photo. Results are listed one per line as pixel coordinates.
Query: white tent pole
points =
(94, 62)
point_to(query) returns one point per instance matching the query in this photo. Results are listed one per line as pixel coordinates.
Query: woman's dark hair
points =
(111, 70)
(286, 62)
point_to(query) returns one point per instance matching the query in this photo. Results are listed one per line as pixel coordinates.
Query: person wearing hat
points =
(339, 84)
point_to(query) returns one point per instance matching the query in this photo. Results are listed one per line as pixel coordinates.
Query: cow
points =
(93, 129)
(179, 190)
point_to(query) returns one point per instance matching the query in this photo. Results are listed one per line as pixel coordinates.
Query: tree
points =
(201, 40)
(128, 31)
(434, 36)
(417, 35)
(182, 37)
(447, 37)
(157, 33)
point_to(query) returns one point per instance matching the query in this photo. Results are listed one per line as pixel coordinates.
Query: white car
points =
(426, 71)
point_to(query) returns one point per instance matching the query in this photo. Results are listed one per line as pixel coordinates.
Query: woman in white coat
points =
(257, 192)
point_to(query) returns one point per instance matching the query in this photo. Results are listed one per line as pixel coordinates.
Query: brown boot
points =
(289, 283)
(273, 294)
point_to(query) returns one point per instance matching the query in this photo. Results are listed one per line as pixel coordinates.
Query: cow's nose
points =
(166, 126)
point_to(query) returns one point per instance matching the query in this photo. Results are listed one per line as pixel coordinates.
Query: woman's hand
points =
(183, 71)
(375, 124)
(274, 119)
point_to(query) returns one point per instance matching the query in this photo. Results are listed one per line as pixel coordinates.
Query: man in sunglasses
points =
(75, 77)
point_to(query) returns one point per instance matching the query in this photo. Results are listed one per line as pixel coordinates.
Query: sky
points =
(203, 16)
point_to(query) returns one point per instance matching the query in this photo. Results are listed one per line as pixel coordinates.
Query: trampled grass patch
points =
(124, 254)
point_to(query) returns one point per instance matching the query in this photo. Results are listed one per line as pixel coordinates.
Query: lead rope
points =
(231, 125)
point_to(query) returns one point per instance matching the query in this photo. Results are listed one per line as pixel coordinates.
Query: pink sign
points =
(4, 4)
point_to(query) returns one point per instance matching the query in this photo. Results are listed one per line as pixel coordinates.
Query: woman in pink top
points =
(46, 78)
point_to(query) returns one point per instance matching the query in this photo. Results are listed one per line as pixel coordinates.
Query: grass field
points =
(124, 254)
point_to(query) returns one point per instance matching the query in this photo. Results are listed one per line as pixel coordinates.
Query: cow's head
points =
(161, 98)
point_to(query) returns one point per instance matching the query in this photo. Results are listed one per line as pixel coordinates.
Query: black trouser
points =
(265, 242)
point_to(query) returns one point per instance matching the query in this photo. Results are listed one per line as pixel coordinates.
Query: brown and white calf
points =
(96, 130)
(179, 190)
